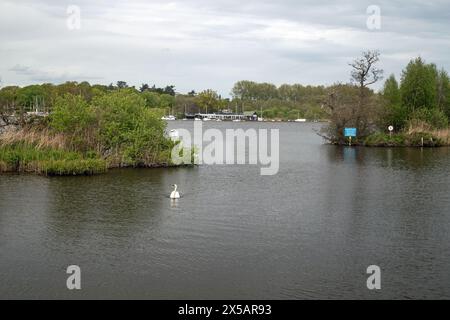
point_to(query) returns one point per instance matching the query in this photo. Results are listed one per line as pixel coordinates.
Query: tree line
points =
(418, 103)
(420, 98)
(284, 102)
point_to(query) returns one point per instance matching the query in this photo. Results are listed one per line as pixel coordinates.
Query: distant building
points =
(251, 115)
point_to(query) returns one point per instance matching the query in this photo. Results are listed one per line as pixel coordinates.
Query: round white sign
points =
(391, 128)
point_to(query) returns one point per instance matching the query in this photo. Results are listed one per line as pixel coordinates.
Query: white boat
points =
(237, 120)
(169, 118)
(197, 119)
(206, 119)
(218, 120)
(300, 120)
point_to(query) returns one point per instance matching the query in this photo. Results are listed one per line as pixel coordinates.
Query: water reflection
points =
(396, 158)
(79, 205)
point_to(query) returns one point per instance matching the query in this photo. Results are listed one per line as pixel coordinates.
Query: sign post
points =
(350, 133)
(390, 128)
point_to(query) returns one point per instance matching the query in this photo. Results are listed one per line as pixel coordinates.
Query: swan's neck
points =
(175, 188)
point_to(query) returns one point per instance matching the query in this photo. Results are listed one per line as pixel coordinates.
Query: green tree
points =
(121, 84)
(166, 101)
(208, 100)
(393, 112)
(443, 92)
(129, 132)
(152, 99)
(73, 117)
(419, 85)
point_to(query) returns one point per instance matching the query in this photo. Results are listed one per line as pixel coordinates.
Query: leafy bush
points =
(128, 131)
(28, 158)
(381, 139)
(403, 140)
(434, 117)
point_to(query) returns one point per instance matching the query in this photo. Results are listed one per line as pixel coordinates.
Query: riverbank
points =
(79, 137)
(22, 158)
(416, 139)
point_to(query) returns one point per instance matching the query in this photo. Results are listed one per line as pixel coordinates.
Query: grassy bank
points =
(80, 137)
(408, 139)
(26, 158)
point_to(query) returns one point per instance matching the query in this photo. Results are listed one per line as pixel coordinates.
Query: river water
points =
(308, 232)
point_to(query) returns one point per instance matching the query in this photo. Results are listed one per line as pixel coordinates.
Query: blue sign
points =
(350, 132)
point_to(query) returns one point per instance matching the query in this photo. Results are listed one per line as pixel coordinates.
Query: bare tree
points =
(364, 74)
(364, 71)
(353, 105)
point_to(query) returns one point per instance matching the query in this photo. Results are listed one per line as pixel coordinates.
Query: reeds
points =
(40, 139)
(24, 157)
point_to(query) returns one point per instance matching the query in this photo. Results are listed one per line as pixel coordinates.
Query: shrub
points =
(434, 117)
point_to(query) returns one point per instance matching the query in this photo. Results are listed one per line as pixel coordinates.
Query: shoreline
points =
(108, 170)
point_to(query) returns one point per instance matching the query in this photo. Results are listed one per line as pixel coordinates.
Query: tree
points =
(144, 87)
(419, 85)
(73, 117)
(364, 73)
(340, 102)
(244, 90)
(391, 91)
(286, 92)
(443, 92)
(350, 110)
(129, 133)
(122, 84)
(208, 100)
(152, 99)
(166, 101)
(393, 112)
(8, 100)
(170, 90)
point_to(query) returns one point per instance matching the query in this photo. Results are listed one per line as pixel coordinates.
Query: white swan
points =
(175, 194)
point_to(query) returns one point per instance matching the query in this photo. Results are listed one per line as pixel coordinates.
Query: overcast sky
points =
(201, 44)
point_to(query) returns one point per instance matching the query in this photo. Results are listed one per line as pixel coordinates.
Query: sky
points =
(211, 44)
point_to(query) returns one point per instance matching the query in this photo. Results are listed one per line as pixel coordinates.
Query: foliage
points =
(208, 101)
(415, 139)
(128, 131)
(345, 112)
(443, 92)
(419, 85)
(115, 129)
(393, 112)
(434, 117)
(354, 105)
(22, 157)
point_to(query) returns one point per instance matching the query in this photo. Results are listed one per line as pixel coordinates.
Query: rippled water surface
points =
(308, 232)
